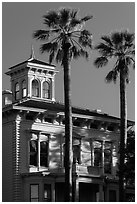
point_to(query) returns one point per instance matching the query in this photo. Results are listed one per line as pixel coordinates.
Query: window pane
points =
(16, 91)
(24, 88)
(44, 153)
(34, 192)
(107, 157)
(33, 152)
(35, 88)
(46, 90)
(17, 87)
(76, 154)
(97, 153)
(47, 192)
(112, 196)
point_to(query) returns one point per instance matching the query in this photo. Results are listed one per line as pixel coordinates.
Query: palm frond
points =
(74, 22)
(46, 47)
(104, 49)
(59, 56)
(100, 61)
(85, 38)
(112, 76)
(73, 13)
(41, 34)
(64, 15)
(117, 38)
(129, 37)
(84, 53)
(86, 18)
(107, 40)
(51, 56)
(51, 18)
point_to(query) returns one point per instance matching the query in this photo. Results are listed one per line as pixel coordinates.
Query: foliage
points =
(64, 26)
(120, 46)
(129, 166)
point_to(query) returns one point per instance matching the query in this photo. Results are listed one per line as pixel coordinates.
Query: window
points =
(47, 192)
(97, 153)
(16, 91)
(46, 90)
(76, 151)
(34, 193)
(24, 90)
(44, 153)
(39, 147)
(33, 152)
(107, 157)
(35, 88)
(112, 196)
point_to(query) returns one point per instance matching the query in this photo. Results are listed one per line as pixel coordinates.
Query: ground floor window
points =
(34, 192)
(112, 196)
(47, 192)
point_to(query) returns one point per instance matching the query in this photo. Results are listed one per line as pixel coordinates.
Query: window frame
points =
(34, 184)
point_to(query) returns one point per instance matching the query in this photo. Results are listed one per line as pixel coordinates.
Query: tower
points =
(32, 79)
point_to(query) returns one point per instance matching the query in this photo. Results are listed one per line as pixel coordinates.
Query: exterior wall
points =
(17, 130)
(7, 166)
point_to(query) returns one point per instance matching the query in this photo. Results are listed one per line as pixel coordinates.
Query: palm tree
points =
(120, 47)
(65, 39)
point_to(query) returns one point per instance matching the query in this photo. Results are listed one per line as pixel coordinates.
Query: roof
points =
(35, 61)
(59, 107)
(37, 105)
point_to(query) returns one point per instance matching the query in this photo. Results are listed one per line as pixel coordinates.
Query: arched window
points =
(24, 90)
(16, 91)
(35, 88)
(46, 89)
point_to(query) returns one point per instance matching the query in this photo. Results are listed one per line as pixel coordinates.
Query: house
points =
(33, 142)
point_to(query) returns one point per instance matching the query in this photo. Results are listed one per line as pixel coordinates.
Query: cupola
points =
(32, 79)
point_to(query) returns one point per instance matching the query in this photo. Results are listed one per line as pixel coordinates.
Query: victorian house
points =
(33, 142)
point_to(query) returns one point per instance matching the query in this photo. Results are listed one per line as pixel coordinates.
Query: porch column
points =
(101, 193)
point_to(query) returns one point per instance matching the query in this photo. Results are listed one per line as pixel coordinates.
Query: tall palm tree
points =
(120, 47)
(66, 39)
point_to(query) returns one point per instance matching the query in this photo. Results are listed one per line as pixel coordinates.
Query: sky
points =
(89, 89)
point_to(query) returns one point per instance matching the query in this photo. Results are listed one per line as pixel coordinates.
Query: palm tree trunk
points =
(123, 133)
(68, 124)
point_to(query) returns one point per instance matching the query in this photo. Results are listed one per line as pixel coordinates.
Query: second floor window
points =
(107, 157)
(97, 153)
(39, 152)
(35, 88)
(16, 91)
(24, 90)
(76, 151)
(46, 90)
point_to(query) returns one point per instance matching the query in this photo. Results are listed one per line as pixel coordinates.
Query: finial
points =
(32, 55)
